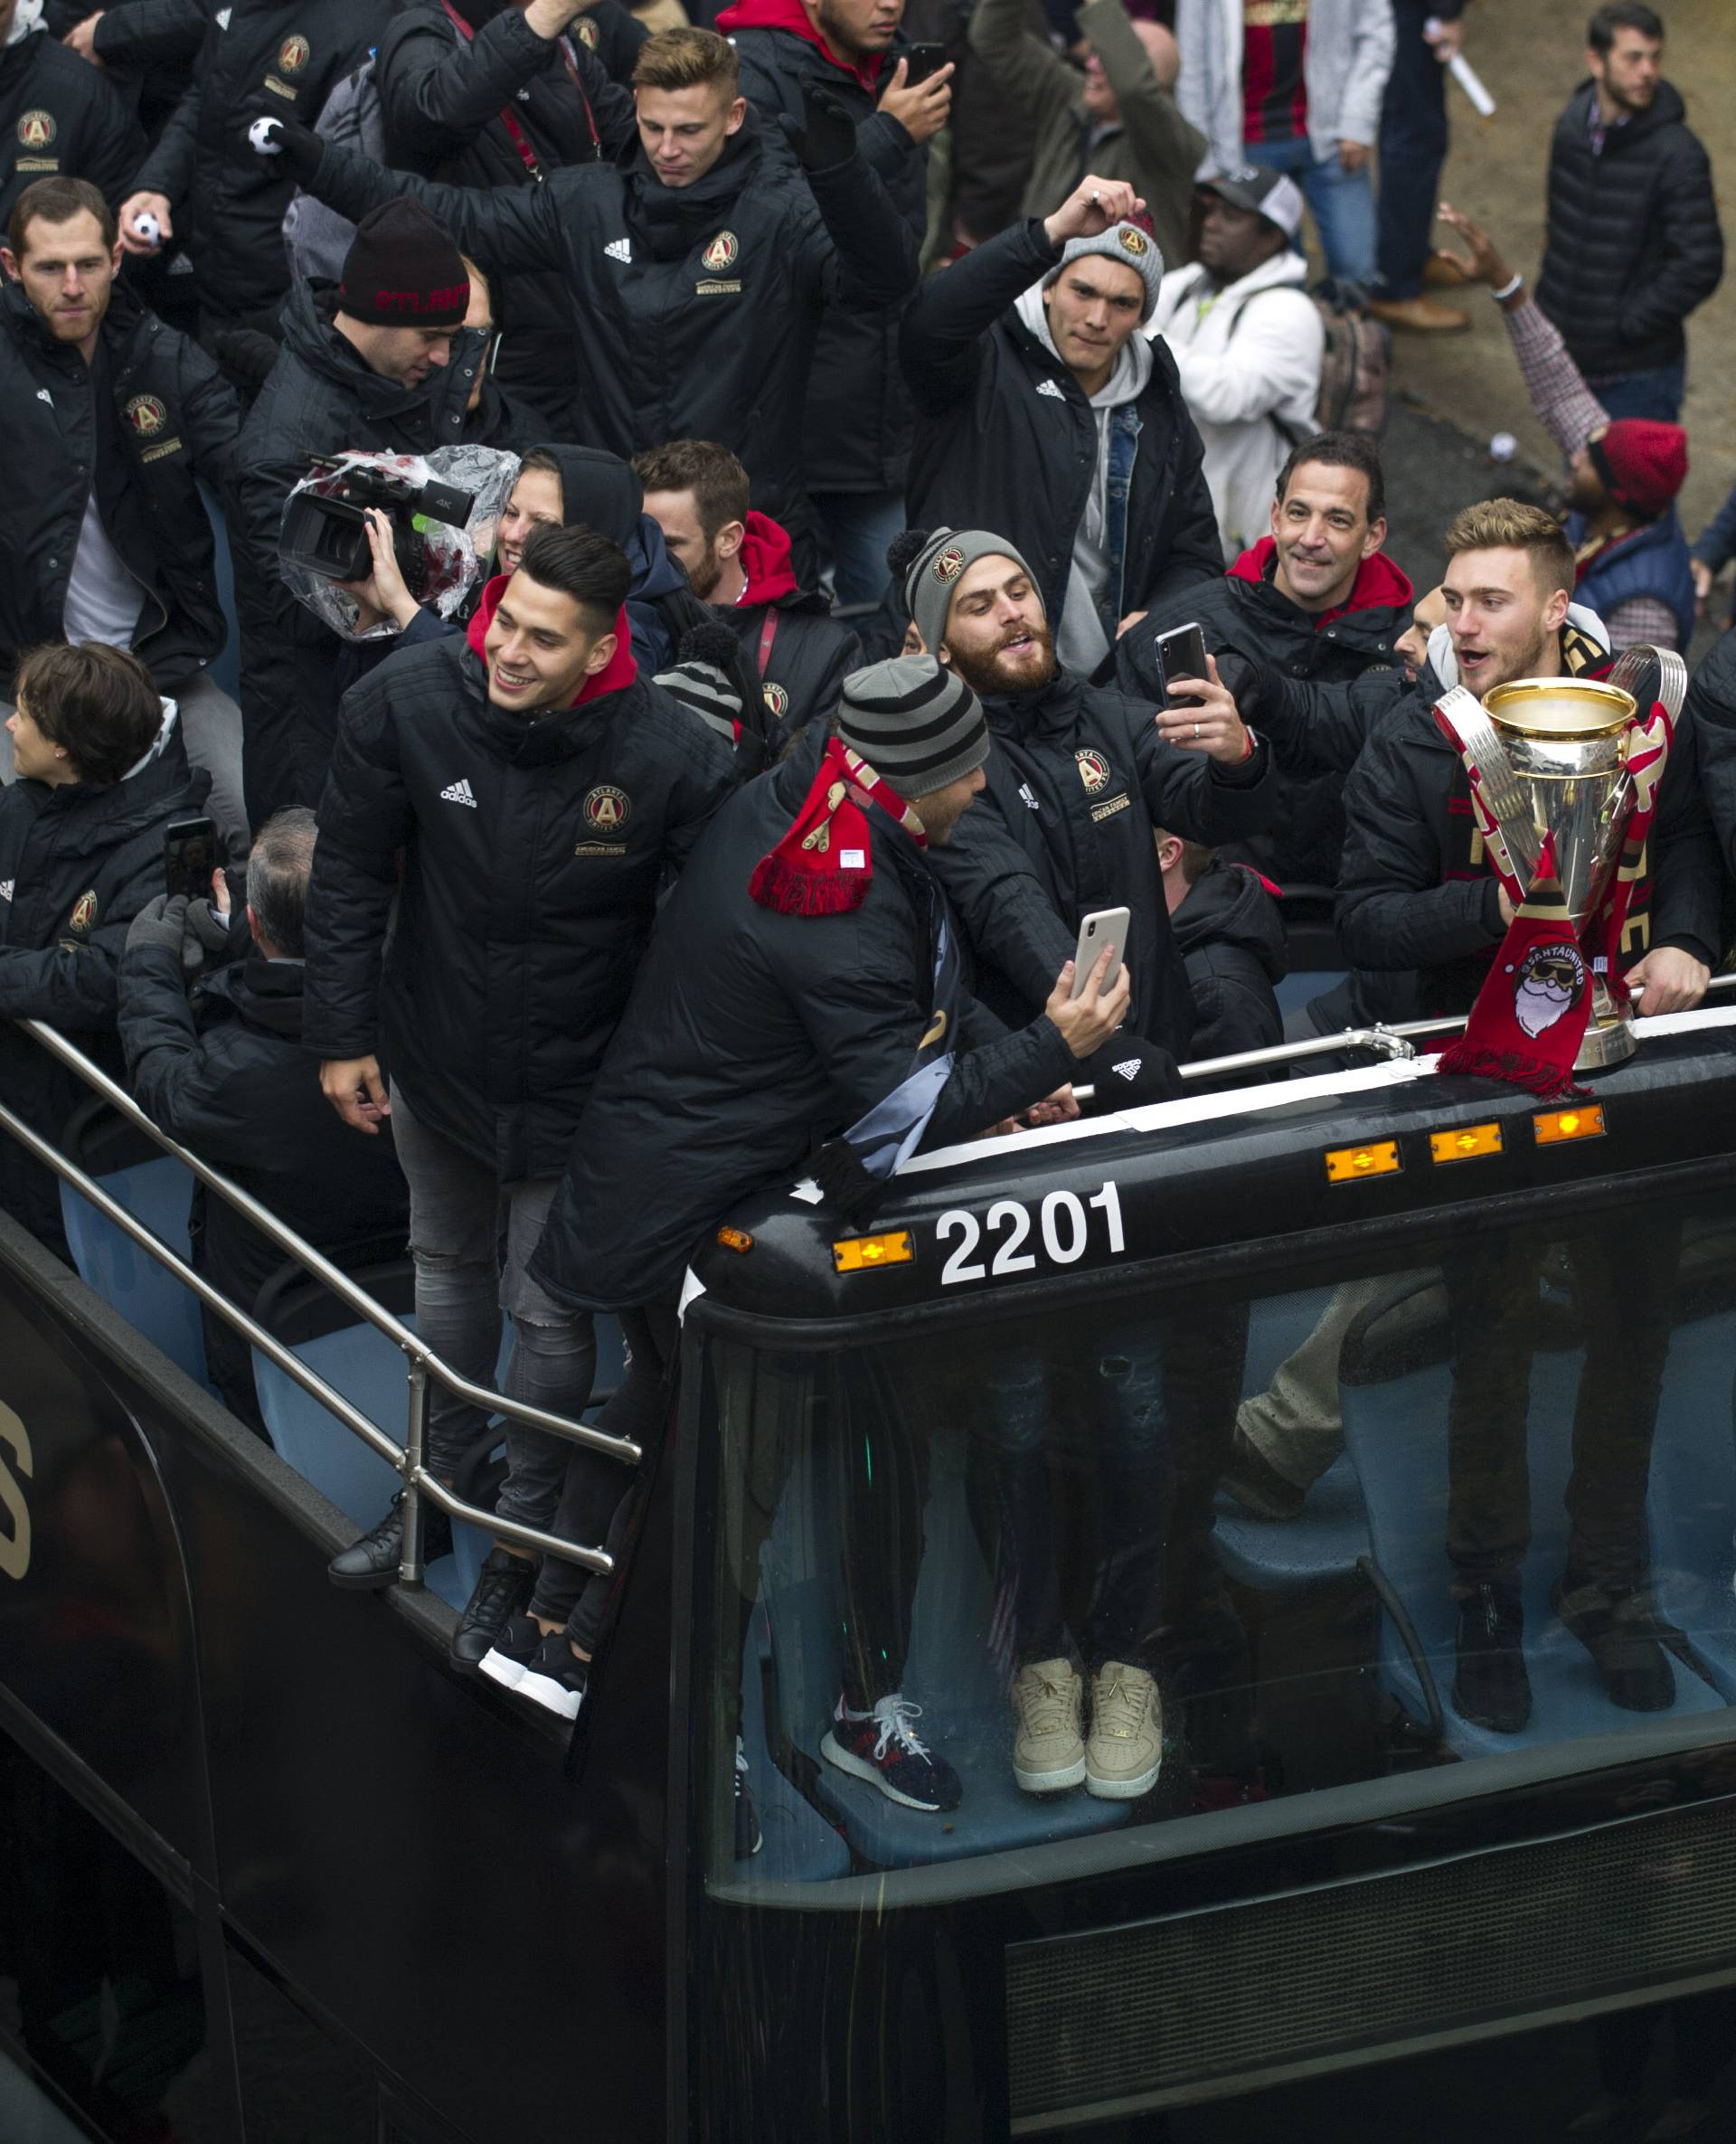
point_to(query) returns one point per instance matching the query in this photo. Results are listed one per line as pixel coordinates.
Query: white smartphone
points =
(1103, 927)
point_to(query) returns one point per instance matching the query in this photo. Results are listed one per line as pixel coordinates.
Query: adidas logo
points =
(459, 793)
(1130, 1068)
(1050, 388)
(619, 249)
(1028, 798)
(6, 885)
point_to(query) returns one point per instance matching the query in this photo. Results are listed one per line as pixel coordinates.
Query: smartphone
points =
(921, 60)
(1103, 927)
(1181, 653)
(189, 853)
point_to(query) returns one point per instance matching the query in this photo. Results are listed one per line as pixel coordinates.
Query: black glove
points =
(160, 923)
(1251, 685)
(1127, 1073)
(827, 136)
(283, 140)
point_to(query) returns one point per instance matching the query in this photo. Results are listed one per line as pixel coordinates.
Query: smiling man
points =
(539, 791)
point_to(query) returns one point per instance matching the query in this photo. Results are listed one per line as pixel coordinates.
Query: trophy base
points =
(1607, 1042)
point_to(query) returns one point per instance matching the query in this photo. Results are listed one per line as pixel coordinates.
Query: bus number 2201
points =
(1063, 1228)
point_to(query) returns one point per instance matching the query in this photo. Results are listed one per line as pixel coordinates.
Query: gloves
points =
(207, 933)
(160, 923)
(827, 137)
(277, 133)
(1251, 685)
(1128, 1072)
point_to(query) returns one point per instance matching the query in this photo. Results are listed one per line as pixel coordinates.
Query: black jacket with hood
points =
(61, 118)
(525, 900)
(1232, 942)
(751, 1037)
(1632, 243)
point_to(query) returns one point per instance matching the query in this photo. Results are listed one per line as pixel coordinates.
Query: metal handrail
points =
(424, 1364)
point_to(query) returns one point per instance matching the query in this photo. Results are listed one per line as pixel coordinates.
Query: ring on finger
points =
(1196, 729)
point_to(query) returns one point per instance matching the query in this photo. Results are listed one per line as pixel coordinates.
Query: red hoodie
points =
(765, 559)
(615, 675)
(1378, 581)
(792, 16)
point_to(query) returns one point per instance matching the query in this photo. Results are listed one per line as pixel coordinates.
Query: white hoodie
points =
(1444, 663)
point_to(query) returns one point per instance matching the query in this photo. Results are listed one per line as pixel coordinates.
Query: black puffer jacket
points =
(1245, 614)
(62, 117)
(751, 1037)
(1007, 440)
(811, 654)
(1633, 244)
(1077, 783)
(696, 308)
(76, 867)
(150, 414)
(149, 47)
(260, 55)
(1233, 948)
(321, 399)
(521, 914)
(856, 433)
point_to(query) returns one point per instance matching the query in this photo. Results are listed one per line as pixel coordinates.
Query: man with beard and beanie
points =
(739, 562)
(1043, 410)
(58, 117)
(699, 264)
(490, 969)
(382, 362)
(1081, 777)
(1317, 599)
(799, 994)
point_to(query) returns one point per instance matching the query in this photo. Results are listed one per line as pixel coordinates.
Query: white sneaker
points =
(1049, 1749)
(1125, 1749)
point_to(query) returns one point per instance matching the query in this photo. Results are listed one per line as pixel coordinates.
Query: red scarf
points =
(824, 864)
(615, 675)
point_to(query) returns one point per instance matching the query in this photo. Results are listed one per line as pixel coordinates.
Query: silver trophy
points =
(1549, 756)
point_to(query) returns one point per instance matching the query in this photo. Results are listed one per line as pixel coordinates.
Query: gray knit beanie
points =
(916, 724)
(1127, 243)
(937, 569)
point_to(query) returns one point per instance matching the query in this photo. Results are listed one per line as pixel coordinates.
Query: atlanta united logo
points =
(607, 811)
(146, 415)
(1132, 240)
(777, 700)
(1093, 771)
(948, 566)
(36, 129)
(587, 33)
(293, 55)
(721, 251)
(84, 911)
(1550, 983)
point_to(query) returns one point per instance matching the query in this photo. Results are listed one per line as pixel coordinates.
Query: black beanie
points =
(402, 271)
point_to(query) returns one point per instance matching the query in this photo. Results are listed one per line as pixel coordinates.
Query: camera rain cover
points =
(454, 557)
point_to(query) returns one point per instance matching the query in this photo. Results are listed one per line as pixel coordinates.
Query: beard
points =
(705, 573)
(990, 676)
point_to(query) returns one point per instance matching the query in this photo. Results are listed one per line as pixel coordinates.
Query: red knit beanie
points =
(1643, 464)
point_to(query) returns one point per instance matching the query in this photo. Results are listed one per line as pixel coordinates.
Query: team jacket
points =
(61, 118)
(170, 416)
(534, 853)
(696, 307)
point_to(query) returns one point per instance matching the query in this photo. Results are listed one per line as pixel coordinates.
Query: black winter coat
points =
(754, 1037)
(696, 307)
(1007, 440)
(1632, 243)
(521, 914)
(147, 46)
(321, 399)
(1711, 710)
(171, 418)
(1233, 947)
(260, 55)
(76, 867)
(856, 432)
(1248, 617)
(1078, 782)
(1407, 901)
(62, 117)
(811, 655)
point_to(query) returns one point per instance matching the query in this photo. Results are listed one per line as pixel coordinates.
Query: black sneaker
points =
(514, 1649)
(1254, 1483)
(1491, 1688)
(373, 1561)
(553, 1679)
(1625, 1639)
(749, 1837)
(503, 1589)
(884, 1748)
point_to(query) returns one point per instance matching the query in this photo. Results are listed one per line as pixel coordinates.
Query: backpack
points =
(1353, 366)
(316, 237)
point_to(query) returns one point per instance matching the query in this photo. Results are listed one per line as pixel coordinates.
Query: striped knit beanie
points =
(916, 724)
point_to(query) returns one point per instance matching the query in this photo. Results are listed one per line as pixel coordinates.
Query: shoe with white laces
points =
(1126, 1749)
(883, 1747)
(1049, 1747)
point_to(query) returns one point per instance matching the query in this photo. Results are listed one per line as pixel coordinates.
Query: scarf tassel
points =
(779, 885)
(1549, 1082)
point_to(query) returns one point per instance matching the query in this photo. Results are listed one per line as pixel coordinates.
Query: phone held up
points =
(1181, 653)
(921, 60)
(1103, 927)
(189, 853)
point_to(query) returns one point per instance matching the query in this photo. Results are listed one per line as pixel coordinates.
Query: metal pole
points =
(410, 1560)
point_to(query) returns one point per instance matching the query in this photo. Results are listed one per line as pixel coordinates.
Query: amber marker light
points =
(1350, 1165)
(860, 1254)
(1554, 1126)
(1465, 1143)
(735, 1239)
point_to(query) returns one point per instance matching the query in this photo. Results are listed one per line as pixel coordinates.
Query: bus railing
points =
(422, 1364)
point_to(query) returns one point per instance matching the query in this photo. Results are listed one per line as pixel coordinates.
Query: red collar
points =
(792, 16)
(1378, 581)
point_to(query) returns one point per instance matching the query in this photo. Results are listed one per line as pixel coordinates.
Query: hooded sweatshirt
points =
(1081, 640)
(765, 559)
(615, 675)
(792, 16)
(1378, 583)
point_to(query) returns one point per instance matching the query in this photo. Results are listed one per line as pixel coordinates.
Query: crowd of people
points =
(877, 384)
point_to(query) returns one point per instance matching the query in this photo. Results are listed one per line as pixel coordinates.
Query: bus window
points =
(992, 1586)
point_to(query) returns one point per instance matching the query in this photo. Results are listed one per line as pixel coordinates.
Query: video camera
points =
(324, 527)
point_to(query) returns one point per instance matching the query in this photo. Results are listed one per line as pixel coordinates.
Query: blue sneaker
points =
(884, 1748)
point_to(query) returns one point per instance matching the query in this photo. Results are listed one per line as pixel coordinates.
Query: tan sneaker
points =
(1126, 1745)
(1048, 1751)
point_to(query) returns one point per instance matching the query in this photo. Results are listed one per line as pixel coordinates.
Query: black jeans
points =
(1413, 147)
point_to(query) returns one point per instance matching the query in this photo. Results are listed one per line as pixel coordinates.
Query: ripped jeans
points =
(461, 1220)
(1117, 1451)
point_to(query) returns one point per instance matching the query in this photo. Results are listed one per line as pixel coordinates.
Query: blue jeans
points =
(859, 525)
(1655, 394)
(1343, 202)
(1413, 147)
